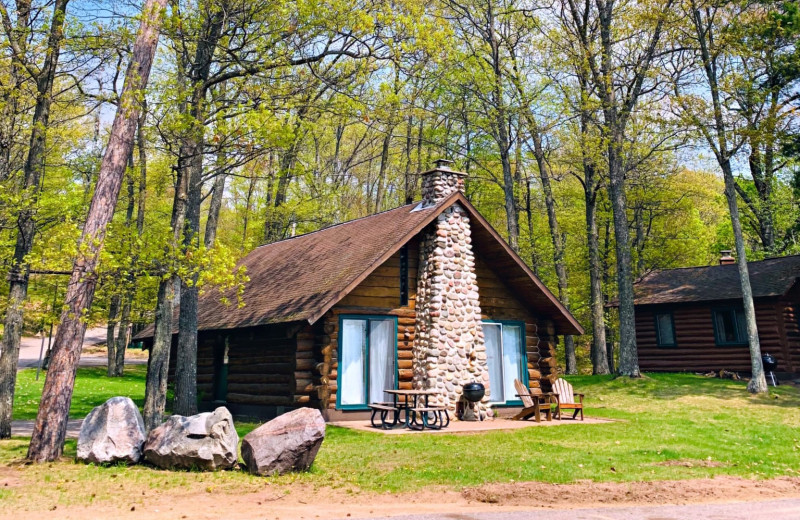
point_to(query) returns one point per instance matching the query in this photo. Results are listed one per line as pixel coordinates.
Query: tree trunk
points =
(248, 207)
(758, 383)
(719, 143)
(558, 243)
(111, 345)
(218, 190)
(10, 111)
(122, 340)
(47, 441)
(512, 220)
(600, 362)
(213, 211)
(387, 141)
(275, 222)
(155, 391)
(116, 355)
(531, 234)
(628, 355)
(26, 224)
(408, 181)
(186, 360)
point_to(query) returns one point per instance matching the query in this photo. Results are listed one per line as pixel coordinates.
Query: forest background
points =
(266, 119)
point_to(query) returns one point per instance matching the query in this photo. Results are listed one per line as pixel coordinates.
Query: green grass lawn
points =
(92, 387)
(667, 426)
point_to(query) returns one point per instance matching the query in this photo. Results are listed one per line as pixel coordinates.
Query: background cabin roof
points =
(301, 278)
(769, 278)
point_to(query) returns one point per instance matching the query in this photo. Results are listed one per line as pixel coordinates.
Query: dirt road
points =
(788, 509)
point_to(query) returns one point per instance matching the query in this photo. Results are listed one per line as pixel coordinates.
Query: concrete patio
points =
(497, 424)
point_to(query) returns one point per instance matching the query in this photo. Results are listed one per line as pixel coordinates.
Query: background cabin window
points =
(367, 360)
(506, 359)
(730, 327)
(665, 329)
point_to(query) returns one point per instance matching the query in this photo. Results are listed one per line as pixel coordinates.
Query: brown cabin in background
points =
(692, 319)
(426, 295)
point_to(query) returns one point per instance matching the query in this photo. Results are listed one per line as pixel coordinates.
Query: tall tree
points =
(33, 171)
(725, 142)
(49, 433)
(620, 83)
(485, 25)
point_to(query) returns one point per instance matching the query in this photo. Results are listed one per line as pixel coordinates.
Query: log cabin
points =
(424, 296)
(692, 319)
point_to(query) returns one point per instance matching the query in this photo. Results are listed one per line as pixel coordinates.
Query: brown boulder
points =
(289, 442)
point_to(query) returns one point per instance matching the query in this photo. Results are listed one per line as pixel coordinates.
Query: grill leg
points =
(772, 376)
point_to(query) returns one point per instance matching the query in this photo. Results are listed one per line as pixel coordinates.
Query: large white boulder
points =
(206, 441)
(289, 442)
(112, 432)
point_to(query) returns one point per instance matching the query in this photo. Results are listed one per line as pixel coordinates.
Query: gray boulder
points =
(112, 432)
(287, 443)
(205, 441)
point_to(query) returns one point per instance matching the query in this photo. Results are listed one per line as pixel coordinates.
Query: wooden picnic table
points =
(412, 407)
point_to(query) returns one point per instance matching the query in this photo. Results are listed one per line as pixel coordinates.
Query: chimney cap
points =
(443, 164)
(727, 257)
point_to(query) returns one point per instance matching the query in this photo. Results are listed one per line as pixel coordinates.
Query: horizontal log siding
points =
(499, 303)
(696, 348)
(205, 365)
(261, 365)
(378, 294)
(791, 319)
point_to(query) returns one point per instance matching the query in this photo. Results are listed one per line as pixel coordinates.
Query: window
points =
(665, 330)
(367, 360)
(730, 327)
(506, 359)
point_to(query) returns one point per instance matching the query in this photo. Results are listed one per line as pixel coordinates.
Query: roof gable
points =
(302, 278)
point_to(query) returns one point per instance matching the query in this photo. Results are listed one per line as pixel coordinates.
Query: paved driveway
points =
(31, 347)
(788, 509)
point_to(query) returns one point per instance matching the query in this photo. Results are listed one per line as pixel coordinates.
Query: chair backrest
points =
(524, 393)
(564, 391)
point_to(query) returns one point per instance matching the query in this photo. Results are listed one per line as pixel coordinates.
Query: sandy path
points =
(301, 501)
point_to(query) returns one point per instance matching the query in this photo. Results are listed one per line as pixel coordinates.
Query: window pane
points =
(726, 328)
(354, 346)
(512, 360)
(741, 324)
(381, 360)
(666, 336)
(494, 360)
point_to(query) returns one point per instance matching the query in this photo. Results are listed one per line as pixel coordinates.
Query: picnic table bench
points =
(419, 413)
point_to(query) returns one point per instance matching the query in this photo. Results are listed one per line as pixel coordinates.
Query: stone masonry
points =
(449, 347)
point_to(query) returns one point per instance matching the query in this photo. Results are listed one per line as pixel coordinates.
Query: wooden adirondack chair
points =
(534, 402)
(566, 399)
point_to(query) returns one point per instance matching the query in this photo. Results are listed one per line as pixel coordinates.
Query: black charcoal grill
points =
(770, 365)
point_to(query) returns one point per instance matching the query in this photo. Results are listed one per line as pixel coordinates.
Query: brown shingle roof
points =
(301, 278)
(768, 278)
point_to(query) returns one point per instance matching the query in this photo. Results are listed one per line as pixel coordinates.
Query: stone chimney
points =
(449, 348)
(440, 182)
(726, 258)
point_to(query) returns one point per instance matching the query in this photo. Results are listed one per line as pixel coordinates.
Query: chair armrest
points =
(580, 396)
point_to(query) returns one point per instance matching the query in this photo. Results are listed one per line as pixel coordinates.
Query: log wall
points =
(378, 294)
(499, 303)
(264, 372)
(696, 348)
